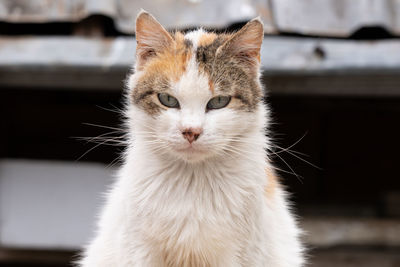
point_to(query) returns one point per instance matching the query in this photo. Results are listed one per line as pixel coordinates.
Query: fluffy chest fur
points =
(197, 213)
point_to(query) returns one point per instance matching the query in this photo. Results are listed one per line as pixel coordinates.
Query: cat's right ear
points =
(151, 38)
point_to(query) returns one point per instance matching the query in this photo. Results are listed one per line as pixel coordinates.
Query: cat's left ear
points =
(246, 43)
(151, 37)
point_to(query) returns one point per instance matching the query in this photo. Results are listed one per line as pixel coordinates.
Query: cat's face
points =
(195, 96)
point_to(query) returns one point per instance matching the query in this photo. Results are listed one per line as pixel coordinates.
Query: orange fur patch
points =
(211, 85)
(171, 62)
(207, 38)
(272, 183)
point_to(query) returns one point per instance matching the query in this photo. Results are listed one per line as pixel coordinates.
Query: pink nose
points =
(191, 134)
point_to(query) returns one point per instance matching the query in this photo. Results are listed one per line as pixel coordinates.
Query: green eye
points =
(218, 102)
(168, 101)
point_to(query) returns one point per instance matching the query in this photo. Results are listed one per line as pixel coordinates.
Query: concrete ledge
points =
(335, 231)
(49, 204)
(355, 257)
(81, 63)
(37, 197)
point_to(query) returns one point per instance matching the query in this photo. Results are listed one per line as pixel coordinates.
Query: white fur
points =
(171, 200)
(194, 37)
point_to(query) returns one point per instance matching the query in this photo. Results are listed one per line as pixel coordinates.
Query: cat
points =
(196, 188)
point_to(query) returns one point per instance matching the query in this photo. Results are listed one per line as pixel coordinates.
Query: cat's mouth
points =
(190, 149)
(191, 153)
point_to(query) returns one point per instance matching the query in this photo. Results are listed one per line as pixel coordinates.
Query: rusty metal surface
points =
(315, 17)
(278, 54)
(75, 52)
(171, 13)
(336, 17)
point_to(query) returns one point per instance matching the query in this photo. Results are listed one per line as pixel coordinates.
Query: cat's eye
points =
(168, 101)
(218, 102)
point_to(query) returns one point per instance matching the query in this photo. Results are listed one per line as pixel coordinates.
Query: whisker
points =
(281, 150)
(305, 161)
(295, 153)
(238, 153)
(110, 142)
(115, 110)
(288, 172)
(88, 151)
(89, 139)
(287, 164)
(292, 145)
(298, 141)
(102, 126)
(114, 162)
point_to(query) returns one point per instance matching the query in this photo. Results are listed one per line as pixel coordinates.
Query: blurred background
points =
(332, 75)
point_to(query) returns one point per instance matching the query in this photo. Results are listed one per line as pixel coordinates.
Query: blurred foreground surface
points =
(335, 257)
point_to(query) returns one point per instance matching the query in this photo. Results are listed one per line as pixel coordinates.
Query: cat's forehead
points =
(198, 65)
(193, 77)
(200, 38)
(190, 56)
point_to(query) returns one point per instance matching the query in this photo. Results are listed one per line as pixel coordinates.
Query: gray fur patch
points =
(142, 94)
(230, 75)
(188, 44)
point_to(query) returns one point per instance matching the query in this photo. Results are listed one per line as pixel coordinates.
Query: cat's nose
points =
(191, 134)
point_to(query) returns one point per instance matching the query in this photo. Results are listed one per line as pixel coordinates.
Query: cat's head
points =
(196, 95)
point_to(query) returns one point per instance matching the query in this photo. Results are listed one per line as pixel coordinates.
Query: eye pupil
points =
(168, 100)
(218, 102)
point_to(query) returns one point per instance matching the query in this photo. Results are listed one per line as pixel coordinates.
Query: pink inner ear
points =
(151, 37)
(246, 43)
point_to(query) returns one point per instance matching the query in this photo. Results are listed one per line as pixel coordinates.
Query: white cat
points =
(196, 188)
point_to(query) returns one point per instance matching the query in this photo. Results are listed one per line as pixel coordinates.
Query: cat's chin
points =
(191, 154)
